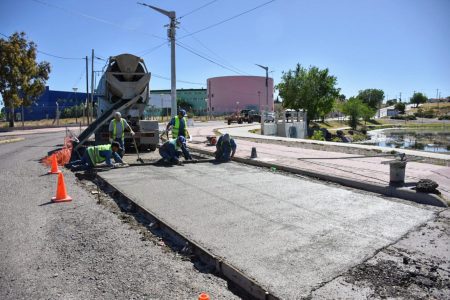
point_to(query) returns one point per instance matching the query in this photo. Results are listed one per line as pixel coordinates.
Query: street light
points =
(171, 34)
(267, 83)
(267, 95)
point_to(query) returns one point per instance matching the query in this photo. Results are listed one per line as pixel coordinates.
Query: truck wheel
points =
(240, 122)
(229, 122)
(250, 120)
(143, 147)
(152, 147)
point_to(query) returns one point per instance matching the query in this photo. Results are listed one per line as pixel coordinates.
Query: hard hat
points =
(182, 112)
(226, 137)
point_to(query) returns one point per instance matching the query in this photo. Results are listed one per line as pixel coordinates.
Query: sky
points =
(399, 46)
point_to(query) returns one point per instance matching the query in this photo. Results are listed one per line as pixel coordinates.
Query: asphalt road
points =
(80, 250)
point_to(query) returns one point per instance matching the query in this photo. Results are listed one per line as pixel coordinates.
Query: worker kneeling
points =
(171, 151)
(225, 148)
(95, 155)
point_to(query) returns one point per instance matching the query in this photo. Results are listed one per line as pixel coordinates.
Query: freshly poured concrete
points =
(288, 234)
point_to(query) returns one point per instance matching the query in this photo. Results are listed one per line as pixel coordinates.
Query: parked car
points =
(245, 115)
(250, 116)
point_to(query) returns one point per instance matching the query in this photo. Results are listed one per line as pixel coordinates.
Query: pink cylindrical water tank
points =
(228, 94)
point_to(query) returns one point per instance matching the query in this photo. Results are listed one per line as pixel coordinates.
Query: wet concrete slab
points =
(290, 235)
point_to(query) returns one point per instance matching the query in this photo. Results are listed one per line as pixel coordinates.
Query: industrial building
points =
(46, 106)
(193, 100)
(230, 93)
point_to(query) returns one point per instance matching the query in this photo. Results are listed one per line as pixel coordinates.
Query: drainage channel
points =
(245, 286)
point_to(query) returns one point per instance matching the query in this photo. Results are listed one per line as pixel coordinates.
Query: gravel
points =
(85, 249)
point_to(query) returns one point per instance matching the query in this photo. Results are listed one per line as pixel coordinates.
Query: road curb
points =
(391, 191)
(349, 148)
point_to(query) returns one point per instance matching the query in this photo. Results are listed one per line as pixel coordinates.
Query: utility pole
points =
(267, 95)
(267, 84)
(91, 102)
(87, 91)
(171, 32)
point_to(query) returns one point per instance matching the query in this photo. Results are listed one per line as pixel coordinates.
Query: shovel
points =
(139, 159)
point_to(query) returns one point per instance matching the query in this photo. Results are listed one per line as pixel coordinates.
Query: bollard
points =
(397, 172)
(253, 154)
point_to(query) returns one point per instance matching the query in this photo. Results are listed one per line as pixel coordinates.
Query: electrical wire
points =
(228, 19)
(205, 58)
(115, 24)
(221, 59)
(60, 57)
(49, 54)
(148, 51)
(197, 9)
(181, 81)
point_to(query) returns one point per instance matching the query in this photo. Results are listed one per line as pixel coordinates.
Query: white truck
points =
(124, 87)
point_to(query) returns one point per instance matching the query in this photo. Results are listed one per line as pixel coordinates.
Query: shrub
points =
(447, 117)
(318, 136)
(404, 117)
(425, 114)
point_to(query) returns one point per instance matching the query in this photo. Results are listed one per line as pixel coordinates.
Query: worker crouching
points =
(171, 151)
(225, 148)
(95, 155)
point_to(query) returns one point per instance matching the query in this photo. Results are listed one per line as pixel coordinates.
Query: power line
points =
(197, 9)
(148, 51)
(115, 24)
(60, 57)
(182, 81)
(214, 53)
(205, 58)
(49, 54)
(228, 19)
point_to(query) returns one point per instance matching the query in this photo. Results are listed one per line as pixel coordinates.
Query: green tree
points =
(372, 97)
(367, 113)
(418, 98)
(22, 78)
(400, 107)
(312, 89)
(355, 108)
(391, 102)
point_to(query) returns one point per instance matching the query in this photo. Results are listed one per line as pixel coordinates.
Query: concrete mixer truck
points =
(123, 87)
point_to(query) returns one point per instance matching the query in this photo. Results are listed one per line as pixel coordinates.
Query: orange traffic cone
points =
(54, 169)
(203, 296)
(61, 192)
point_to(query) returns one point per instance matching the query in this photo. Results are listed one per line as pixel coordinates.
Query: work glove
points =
(132, 133)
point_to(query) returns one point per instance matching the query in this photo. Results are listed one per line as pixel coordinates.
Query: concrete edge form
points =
(391, 191)
(226, 270)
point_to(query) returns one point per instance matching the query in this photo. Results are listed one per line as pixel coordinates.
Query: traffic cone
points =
(54, 169)
(203, 296)
(61, 192)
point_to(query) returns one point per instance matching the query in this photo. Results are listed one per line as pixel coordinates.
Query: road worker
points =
(171, 150)
(225, 148)
(117, 128)
(95, 155)
(178, 124)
